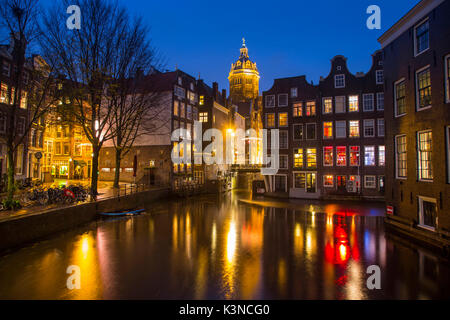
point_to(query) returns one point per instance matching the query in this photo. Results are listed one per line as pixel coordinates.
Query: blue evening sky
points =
(285, 38)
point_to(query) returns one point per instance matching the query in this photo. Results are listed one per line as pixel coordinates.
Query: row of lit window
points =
(7, 96)
(339, 156)
(181, 110)
(341, 131)
(342, 104)
(424, 155)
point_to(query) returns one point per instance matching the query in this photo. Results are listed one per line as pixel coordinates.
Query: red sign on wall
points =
(390, 210)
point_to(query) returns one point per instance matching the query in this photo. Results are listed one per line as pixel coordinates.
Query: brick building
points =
(331, 134)
(417, 91)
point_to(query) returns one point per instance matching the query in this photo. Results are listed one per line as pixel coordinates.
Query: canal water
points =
(220, 248)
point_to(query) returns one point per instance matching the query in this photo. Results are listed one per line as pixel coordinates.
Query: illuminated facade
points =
(67, 152)
(244, 78)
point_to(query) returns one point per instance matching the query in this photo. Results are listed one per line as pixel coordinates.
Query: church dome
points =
(244, 77)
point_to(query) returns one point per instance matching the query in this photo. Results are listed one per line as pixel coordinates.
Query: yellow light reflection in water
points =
(355, 284)
(213, 237)
(175, 233)
(85, 256)
(231, 242)
(229, 268)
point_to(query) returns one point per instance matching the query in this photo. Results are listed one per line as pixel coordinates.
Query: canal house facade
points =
(331, 134)
(417, 74)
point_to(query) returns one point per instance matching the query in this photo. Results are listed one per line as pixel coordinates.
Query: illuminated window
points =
(379, 76)
(11, 97)
(380, 101)
(369, 128)
(328, 130)
(370, 182)
(339, 81)
(298, 109)
(381, 156)
(400, 98)
(368, 104)
(369, 155)
(283, 119)
(182, 110)
(401, 156)
(328, 160)
(327, 105)
(298, 131)
(270, 120)
(284, 139)
(4, 93)
(424, 153)
(310, 131)
(340, 104)
(328, 181)
(354, 156)
(283, 100)
(298, 158)
(421, 38)
(341, 156)
(203, 117)
(353, 104)
(202, 100)
(24, 100)
(270, 101)
(19, 159)
(353, 128)
(341, 129)
(310, 108)
(311, 158)
(299, 180)
(423, 91)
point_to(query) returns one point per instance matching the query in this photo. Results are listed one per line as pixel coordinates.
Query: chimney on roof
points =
(224, 97)
(215, 90)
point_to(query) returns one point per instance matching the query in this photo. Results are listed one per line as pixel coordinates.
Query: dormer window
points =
(180, 81)
(339, 68)
(421, 38)
(339, 81)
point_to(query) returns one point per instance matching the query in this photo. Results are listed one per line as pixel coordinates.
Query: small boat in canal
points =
(122, 213)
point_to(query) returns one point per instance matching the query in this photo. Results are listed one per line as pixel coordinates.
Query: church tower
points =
(244, 78)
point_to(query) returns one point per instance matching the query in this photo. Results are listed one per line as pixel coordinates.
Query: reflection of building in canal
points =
(330, 248)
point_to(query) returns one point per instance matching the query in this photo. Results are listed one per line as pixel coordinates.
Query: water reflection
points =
(218, 248)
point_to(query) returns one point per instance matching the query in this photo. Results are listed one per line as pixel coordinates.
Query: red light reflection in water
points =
(338, 249)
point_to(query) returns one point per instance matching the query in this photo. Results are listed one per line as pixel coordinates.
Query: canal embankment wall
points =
(20, 230)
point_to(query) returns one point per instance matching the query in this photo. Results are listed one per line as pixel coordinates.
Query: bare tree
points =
(31, 78)
(132, 97)
(88, 60)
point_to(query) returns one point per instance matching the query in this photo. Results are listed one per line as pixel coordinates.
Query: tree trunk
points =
(11, 166)
(94, 177)
(117, 173)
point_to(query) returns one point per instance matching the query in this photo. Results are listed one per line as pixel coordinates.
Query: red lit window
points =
(328, 156)
(341, 156)
(354, 156)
